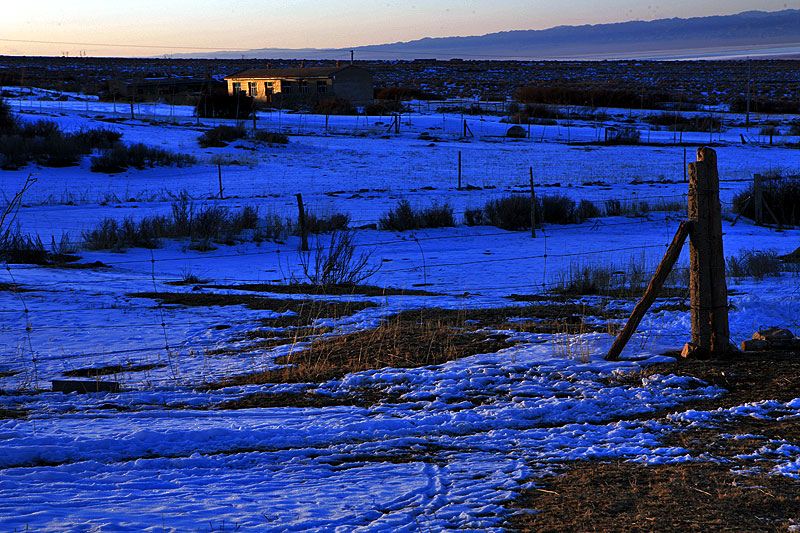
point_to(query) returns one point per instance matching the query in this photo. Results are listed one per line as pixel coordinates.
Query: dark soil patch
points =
(80, 266)
(8, 373)
(93, 372)
(628, 292)
(726, 491)
(544, 318)
(340, 289)
(634, 497)
(747, 377)
(13, 413)
(13, 287)
(306, 310)
(359, 397)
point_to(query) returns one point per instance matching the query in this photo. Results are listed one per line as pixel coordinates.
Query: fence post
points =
(533, 207)
(758, 200)
(684, 165)
(302, 219)
(459, 170)
(219, 171)
(709, 292)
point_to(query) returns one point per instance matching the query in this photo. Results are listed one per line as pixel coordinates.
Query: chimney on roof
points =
(337, 62)
(267, 66)
(351, 56)
(303, 64)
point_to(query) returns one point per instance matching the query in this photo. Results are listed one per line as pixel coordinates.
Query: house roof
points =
(272, 73)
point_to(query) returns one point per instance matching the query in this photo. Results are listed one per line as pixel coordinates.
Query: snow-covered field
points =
(162, 456)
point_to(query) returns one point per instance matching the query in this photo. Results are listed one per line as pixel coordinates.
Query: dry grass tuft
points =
(399, 342)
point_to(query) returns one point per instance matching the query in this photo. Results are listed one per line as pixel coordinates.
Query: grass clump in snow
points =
(120, 157)
(781, 197)
(220, 136)
(405, 217)
(513, 212)
(756, 264)
(270, 137)
(44, 143)
(672, 121)
(201, 225)
(21, 248)
(404, 341)
(327, 223)
(620, 281)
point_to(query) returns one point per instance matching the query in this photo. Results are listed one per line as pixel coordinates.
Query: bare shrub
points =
(404, 217)
(17, 247)
(474, 217)
(336, 262)
(44, 143)
(138, 155)
(324, 223)
(587, 210)
(626, 135)
(239, 106)
(557, 209)
(8, 121)
(221, 135)
(202, 225)
(511, 212)
(270, 137)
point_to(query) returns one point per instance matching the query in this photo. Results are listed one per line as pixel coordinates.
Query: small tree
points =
(8, 122)
(238, 106)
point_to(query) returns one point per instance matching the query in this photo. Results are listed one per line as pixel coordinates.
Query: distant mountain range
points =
(747, 34)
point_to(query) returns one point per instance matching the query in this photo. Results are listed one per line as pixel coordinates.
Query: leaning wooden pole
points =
(709, 291)
(663, 270)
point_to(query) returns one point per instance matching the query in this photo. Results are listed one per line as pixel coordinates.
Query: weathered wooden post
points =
(459, 170)
(302, 219)
(533, 206)
(709, 292)
(758, 200)
(219, 172)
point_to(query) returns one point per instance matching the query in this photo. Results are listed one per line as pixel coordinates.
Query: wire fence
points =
(455, 118)
(170, 339)
(176, 342)
(37, 323)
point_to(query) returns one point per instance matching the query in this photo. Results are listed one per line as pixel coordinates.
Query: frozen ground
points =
(462, 438)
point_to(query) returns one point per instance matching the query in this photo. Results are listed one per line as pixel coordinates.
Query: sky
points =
(159, 27)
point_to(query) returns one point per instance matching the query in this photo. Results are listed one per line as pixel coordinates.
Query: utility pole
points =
(747, 117)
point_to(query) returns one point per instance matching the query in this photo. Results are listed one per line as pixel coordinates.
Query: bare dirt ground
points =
(723, 490)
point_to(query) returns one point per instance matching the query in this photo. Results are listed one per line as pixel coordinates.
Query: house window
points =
(286, 87)
(322, 87)
(304, 87)
(252, 88)
(237, 87)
